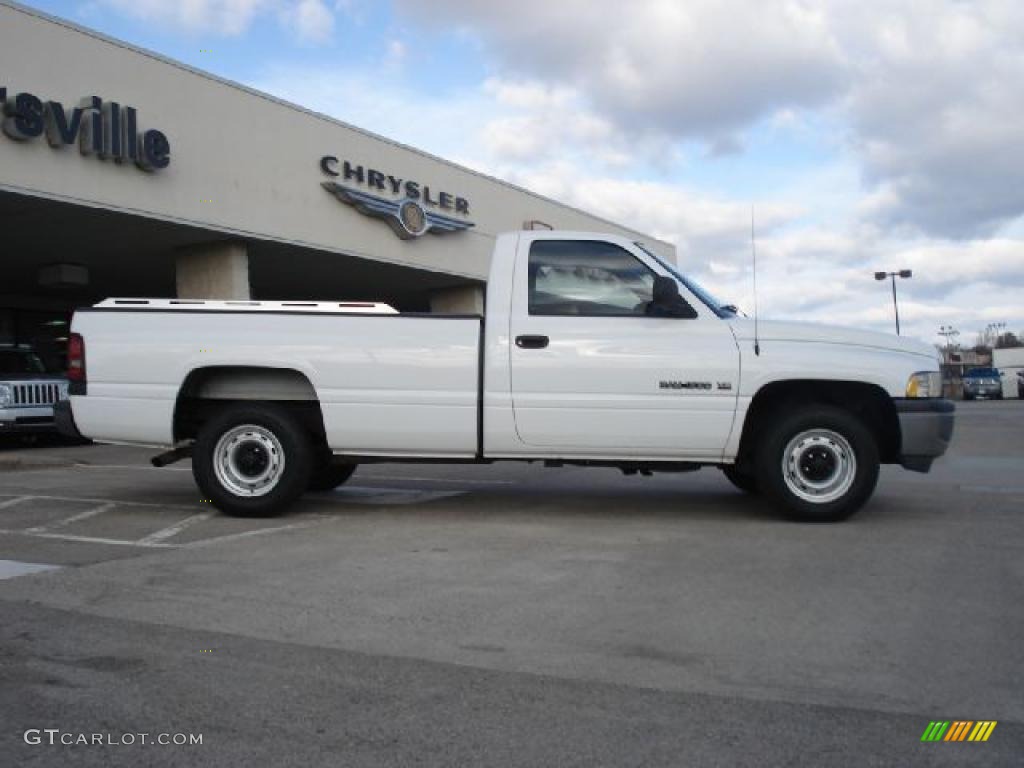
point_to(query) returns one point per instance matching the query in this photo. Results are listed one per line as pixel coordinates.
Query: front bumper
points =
(26, 419)
(926, 427)
(65, 419)
(985, 390)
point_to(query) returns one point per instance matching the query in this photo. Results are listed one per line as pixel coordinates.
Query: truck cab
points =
(585, 360)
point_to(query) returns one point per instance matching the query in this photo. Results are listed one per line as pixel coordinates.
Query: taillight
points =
(76, 358)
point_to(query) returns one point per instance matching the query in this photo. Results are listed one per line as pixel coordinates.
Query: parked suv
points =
(27, 391)
(983, 382)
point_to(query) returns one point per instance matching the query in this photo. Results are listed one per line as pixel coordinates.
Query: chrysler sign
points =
(105, 129)
(410, 208)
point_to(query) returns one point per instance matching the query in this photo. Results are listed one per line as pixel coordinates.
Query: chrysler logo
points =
(412, 212)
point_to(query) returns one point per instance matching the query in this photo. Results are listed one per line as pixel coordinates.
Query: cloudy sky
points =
(866, 135)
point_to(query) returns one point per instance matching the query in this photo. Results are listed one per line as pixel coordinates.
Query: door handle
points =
(532, 342)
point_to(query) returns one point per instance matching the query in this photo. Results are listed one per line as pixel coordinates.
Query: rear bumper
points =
(64, 419)
(926, 427)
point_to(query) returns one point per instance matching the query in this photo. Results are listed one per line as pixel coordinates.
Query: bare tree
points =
(1008, 340)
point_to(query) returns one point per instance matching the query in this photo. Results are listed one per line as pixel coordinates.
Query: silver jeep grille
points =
(36, 393)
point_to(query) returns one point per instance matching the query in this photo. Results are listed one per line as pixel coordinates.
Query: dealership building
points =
(124, 173)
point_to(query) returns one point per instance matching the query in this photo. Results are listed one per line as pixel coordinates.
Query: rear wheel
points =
(745, 481)
(819, 464)
(252, 460)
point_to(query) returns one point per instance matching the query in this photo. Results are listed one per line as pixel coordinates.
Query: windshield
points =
(986, 372)
(720, 308)
(20, 361)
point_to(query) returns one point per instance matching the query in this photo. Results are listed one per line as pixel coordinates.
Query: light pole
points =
(992, 332)
(893, 276)
(950, 333)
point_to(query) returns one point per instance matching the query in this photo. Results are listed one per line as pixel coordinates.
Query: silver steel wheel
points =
(248, 460)
(819, 465)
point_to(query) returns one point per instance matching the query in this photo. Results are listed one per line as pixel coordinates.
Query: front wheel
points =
(819, 464)
(252, 460)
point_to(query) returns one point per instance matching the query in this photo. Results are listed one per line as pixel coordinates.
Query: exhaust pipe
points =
(171, 456)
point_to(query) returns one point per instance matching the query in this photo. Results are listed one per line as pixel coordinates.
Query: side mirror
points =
(665, 290)
(666, 301)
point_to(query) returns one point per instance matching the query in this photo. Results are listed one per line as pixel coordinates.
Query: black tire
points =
(745, 481)
(278, 439)
(816, 435)
(330, 475)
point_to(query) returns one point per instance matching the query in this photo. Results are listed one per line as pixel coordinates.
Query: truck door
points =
(593, 374)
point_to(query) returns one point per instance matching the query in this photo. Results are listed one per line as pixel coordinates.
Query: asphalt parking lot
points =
(512, 615)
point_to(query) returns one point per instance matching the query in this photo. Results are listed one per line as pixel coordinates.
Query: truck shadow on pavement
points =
(544, 503)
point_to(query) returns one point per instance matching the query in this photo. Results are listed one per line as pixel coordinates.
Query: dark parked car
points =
(27, 391)
(983, 382)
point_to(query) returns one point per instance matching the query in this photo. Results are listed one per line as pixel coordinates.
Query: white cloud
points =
(936, 111)
(369, 100)
(226, 17)
(704, 67)
(311, 20)
(931, 92)
(703, 228)
(542, 123)
(809, 275)
(396, 53)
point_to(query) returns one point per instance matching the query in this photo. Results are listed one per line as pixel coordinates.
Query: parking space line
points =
(308, 523)
(126, 502)
(357, 495)
(173, 530)
(84, 539)
(11, 569)
(73, 519)
(15, 500)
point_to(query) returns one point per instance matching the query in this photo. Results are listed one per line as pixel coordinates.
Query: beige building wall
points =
(241, 162)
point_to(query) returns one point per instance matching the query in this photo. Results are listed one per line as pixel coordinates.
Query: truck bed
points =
(382, 378)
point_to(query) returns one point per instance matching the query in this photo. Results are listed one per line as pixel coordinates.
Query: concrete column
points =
(213, 271)
(463, 300)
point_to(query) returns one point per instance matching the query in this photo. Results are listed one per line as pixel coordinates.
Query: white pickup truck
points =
(593, 352)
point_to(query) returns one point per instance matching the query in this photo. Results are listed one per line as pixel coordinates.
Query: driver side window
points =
(587, 278)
